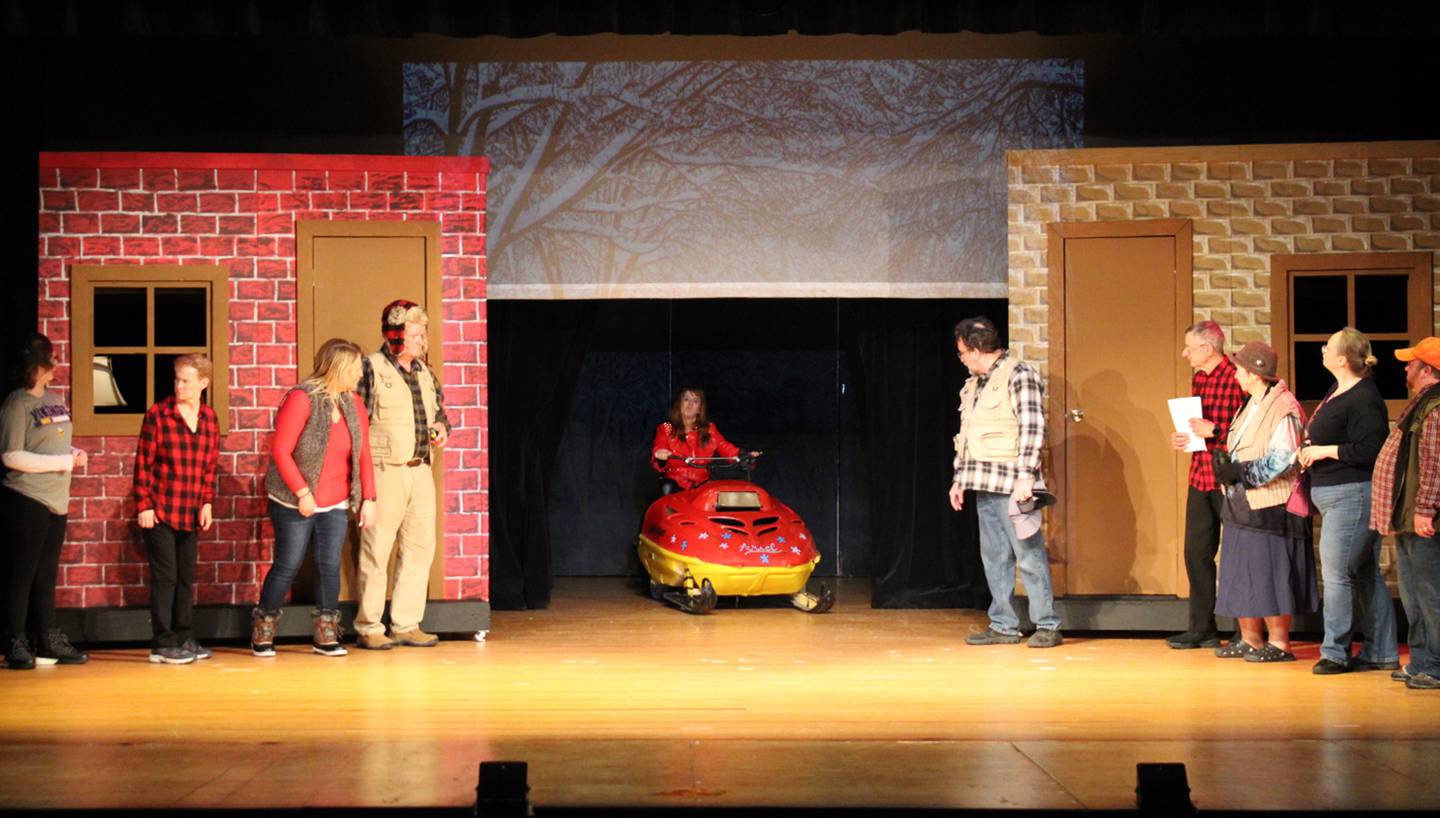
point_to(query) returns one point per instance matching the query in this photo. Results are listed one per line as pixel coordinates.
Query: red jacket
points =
(688, 446)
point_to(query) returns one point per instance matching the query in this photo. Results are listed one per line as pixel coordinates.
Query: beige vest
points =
(392, 428)
(1251, 444)
(989, 430)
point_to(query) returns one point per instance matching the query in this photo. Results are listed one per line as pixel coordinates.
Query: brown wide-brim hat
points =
(1257, 358)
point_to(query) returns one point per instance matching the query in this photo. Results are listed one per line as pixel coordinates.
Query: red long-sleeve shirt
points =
(688, 445)
(333, 486)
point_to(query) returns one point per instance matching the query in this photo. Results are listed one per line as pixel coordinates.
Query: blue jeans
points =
(1417, 561)
(1350, 566)
(292, 537)
(1001, 552)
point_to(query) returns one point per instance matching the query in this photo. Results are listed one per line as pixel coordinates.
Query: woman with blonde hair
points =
(175, 464)
(1342, 440)
(320, 469)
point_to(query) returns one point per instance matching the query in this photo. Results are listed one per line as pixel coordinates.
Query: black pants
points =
(1202, 542)
(172, 584)
(33, 536)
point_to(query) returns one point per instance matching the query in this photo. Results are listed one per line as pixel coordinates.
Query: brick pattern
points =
(1243, 212)
(244, 217)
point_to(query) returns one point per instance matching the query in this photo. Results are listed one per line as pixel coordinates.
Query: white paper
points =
(1181, 411)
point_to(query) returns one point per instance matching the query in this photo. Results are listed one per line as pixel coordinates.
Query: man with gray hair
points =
(1220, 398)
(407, 417)
(997, 456)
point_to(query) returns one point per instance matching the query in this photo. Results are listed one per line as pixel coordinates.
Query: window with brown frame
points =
(1387, 296)
(128, 324)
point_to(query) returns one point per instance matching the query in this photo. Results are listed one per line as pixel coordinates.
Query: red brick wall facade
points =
(240, 211)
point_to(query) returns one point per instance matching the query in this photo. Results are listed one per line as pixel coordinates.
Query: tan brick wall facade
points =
(1246, 203)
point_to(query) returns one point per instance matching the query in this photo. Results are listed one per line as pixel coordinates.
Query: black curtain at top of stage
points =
(923, 554)
(526, 18)
(535, 352)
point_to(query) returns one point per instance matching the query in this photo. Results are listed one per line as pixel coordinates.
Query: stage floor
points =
(616, 700)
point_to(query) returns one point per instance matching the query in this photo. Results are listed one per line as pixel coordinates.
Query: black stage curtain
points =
(535, 352)
(526, 18)
(923, 554)
(853, 401)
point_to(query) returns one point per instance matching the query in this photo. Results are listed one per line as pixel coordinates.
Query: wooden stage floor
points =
(616, 700)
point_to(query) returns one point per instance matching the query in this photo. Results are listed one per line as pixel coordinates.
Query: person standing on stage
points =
(407, 411)
(35, 438)
(1220, 398)
(319, 472)
(1405, 496)
(1342, 439)
(997, 455)
(1267, 568)
(175, 463)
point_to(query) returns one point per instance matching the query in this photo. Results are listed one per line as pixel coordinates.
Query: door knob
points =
(1077, 415)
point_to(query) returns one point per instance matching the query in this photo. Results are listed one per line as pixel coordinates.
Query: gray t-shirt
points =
(40, 425)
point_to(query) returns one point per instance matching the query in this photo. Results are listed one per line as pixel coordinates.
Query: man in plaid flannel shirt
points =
(997, 456)
(1404, 499)
(1220, 398)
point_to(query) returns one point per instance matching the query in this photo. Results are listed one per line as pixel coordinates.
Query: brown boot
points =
(415, 638)
(375, 640)
(262, 632)
(326, 641)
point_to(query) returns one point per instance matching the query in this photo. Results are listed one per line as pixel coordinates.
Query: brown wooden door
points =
(1117, 324)
(347, 273)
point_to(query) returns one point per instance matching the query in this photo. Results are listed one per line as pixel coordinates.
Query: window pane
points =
(119, 317)
(1380, 303)
(1319, 304)
(1310, 378)
(164, 376)
(1389, 373)
(180, 319)
(119, 382)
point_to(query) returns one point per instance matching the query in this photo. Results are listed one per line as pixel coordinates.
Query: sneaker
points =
(415, 638)
(53, 645)
(262, 632)
(171, 656)
(990, 636)
(1189, 640)
(1329, 667)
(1366, 664)
(1235, 649)
(326, 641)
(200, 651)
(1400, 675)
(1045, 638)
(18, 656)
(1422, 681)
(375, 640)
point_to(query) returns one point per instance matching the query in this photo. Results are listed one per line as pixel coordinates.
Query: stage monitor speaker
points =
(503, 791)
(1162, 789)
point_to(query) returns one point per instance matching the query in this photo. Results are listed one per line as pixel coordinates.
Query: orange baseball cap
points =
(1428, 350)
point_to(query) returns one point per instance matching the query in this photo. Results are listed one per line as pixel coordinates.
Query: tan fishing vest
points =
(989, 429)
(392, 427)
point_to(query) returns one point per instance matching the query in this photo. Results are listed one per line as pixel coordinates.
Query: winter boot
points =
(262, 632)
(326, 641)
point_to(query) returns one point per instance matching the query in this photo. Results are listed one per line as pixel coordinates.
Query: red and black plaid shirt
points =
(1220, 398)
(1382, 487)
(175, 467)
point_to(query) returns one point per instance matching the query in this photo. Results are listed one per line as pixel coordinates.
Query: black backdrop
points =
(852, 401)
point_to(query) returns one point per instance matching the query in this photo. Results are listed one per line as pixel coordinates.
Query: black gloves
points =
(1227, 471)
